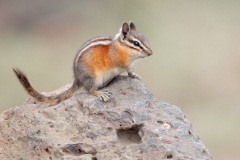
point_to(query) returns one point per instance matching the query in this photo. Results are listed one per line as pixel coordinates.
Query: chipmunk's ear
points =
(132, 26)
(124, 30)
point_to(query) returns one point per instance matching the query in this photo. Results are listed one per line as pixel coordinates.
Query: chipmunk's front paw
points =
(134, 75)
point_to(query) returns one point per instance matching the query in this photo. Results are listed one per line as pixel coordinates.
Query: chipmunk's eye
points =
(136, 43)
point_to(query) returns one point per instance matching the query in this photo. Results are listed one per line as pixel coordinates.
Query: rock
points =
(134, 125)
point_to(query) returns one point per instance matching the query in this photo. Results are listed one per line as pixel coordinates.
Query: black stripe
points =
(131, 41)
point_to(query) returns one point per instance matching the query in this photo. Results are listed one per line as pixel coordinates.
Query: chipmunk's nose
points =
(149, 52)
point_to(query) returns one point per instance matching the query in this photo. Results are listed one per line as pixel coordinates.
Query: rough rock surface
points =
(134, 125)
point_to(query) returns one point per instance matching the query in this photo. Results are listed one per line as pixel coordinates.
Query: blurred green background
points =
(196, 61)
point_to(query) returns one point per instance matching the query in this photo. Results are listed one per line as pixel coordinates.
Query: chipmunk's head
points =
(136, 44)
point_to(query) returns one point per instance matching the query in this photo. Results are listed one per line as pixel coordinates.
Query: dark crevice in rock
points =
(79, 149)
(129, 135)
(169, 156)
(47, 150)
(189, 132)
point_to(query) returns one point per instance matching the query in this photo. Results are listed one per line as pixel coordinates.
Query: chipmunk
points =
(97, 62)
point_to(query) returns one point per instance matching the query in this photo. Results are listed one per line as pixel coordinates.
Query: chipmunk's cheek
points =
(138, 55)
(142, 55)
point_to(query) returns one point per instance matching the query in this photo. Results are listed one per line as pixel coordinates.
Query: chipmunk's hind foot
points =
(102, 95)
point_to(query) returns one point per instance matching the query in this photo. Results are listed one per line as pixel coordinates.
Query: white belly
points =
(105, 77)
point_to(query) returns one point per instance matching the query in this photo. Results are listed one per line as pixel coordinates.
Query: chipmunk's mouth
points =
(147, 54)
(142, 56)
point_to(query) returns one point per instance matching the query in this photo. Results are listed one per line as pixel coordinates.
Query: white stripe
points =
(117, 36)
(91, 44)
(130, 44)
(94, 39)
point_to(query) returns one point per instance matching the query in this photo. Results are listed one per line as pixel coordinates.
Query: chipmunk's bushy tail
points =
(40, 97)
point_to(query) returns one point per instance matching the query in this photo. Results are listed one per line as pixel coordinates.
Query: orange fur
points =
(99, 60)
(123, 55)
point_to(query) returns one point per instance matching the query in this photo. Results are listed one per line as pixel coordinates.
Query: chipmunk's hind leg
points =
(102, 95)
(90, 86)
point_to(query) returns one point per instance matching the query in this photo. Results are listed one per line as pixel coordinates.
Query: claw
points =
(102, 95)
(134, 75)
